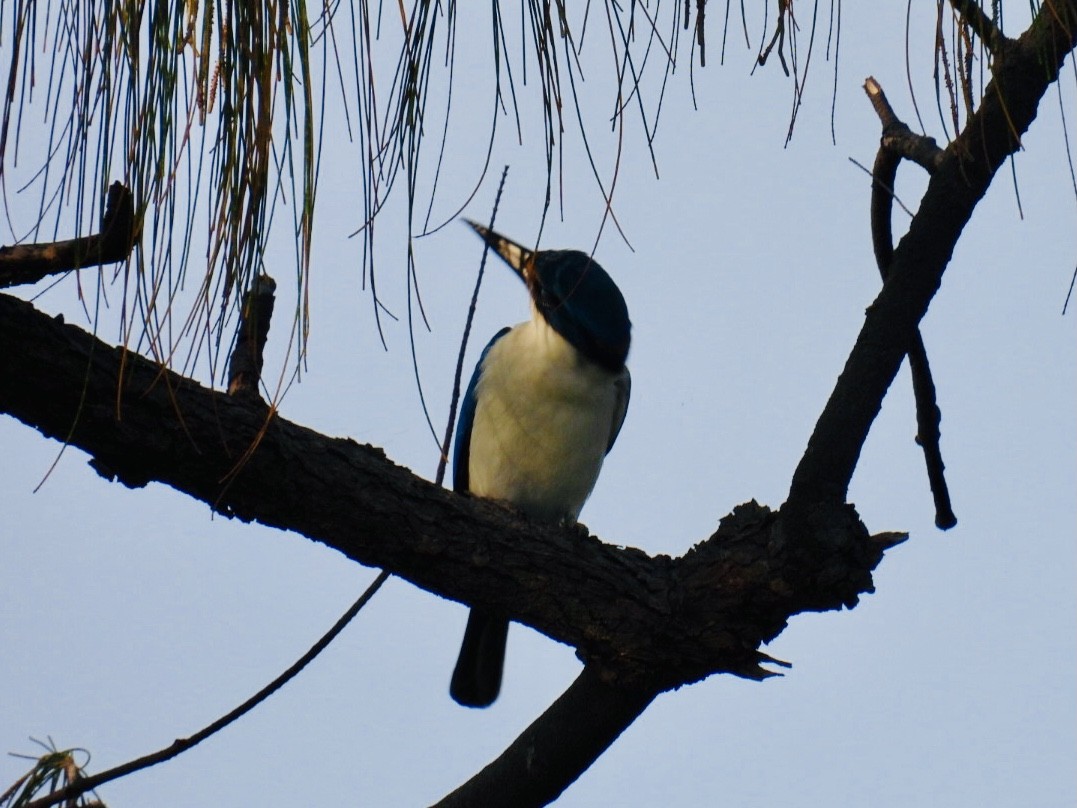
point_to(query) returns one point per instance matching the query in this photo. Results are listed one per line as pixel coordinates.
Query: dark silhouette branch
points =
(928, 415)
(957, 185)
(558, 746)
(458, 375)
(642, 624)
(898, 139)
(28, 263)
(245, 368)
(645, 617)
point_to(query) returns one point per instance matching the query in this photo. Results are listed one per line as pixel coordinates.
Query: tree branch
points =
(547, 756)
(642, 624)
(898, 139)
(28, 263)
(80, 785)
(928, 415)
(958, 184)
(644, 618)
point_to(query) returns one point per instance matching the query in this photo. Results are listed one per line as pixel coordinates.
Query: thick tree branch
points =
(29, 263)
(959, 182)
(642, 624)
(659, 620)
(547, 757)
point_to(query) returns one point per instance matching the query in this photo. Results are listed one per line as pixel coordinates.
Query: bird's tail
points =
(476, 680)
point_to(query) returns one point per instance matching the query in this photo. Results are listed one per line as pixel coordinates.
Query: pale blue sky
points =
(129, 618)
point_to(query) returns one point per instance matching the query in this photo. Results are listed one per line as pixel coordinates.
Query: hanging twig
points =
(899, 141)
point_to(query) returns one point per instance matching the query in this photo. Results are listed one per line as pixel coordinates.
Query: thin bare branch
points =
(458, 376)
(80, 785)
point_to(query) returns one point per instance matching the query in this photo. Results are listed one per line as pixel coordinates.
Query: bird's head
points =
(575, 296)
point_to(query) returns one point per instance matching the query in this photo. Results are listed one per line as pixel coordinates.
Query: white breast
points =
(542, 425)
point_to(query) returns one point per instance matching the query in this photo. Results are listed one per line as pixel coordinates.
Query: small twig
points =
(891, 191)
(22, 264)
(180, 745)
(245, 366)
(1069, 294)
(884, 173)
(443, 462)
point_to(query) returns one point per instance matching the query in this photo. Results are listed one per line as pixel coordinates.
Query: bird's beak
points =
(521, 259)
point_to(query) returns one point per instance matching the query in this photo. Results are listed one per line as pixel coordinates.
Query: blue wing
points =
(624, 392)
(462, 449)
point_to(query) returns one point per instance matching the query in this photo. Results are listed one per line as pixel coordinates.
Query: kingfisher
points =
(543, 408)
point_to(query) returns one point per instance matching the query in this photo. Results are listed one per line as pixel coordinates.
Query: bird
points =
(543, 408)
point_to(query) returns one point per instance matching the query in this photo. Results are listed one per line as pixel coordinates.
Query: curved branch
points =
(928, 415)
(958, 184)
